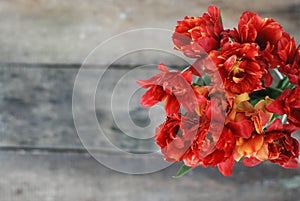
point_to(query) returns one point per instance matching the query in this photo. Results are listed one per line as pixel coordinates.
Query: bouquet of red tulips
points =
(238, 101)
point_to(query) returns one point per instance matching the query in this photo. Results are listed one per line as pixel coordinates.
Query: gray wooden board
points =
(37, 31)
(36, 111)
(36, 108)
(72, 176)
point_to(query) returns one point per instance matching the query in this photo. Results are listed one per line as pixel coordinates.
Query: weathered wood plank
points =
(68, 177)
(36, 109)
(65, 32)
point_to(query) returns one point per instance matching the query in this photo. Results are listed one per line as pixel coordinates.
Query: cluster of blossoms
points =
(224, 107)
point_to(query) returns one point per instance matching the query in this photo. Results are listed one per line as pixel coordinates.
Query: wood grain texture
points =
(43, 44)
(66, 177)
(36, 109)
(38, 31)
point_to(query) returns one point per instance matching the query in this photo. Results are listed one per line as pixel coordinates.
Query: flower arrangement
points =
(225, 107)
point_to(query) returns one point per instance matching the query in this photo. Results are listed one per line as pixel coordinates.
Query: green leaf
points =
(203, 80)
(273, 92)
(253, 102)
(231, 40)
(256, 96)
(282, 84)
(182, 171)
(206, 80)
(275, 116)
(290, 86)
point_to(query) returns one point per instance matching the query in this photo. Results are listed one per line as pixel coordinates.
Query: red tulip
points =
(196, 36)
(288, 103)
(172, 87)
(283, 149)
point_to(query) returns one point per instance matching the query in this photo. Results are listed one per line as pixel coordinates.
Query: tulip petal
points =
(251, 145)
(226, 167)
(152, 96)
(251, 162)
(293, 163)
(242, 128)
(171, 105)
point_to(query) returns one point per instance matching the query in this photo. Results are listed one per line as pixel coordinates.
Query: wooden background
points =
(43, 44)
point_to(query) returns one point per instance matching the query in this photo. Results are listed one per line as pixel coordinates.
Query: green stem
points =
(275, 89)
(273, 92)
